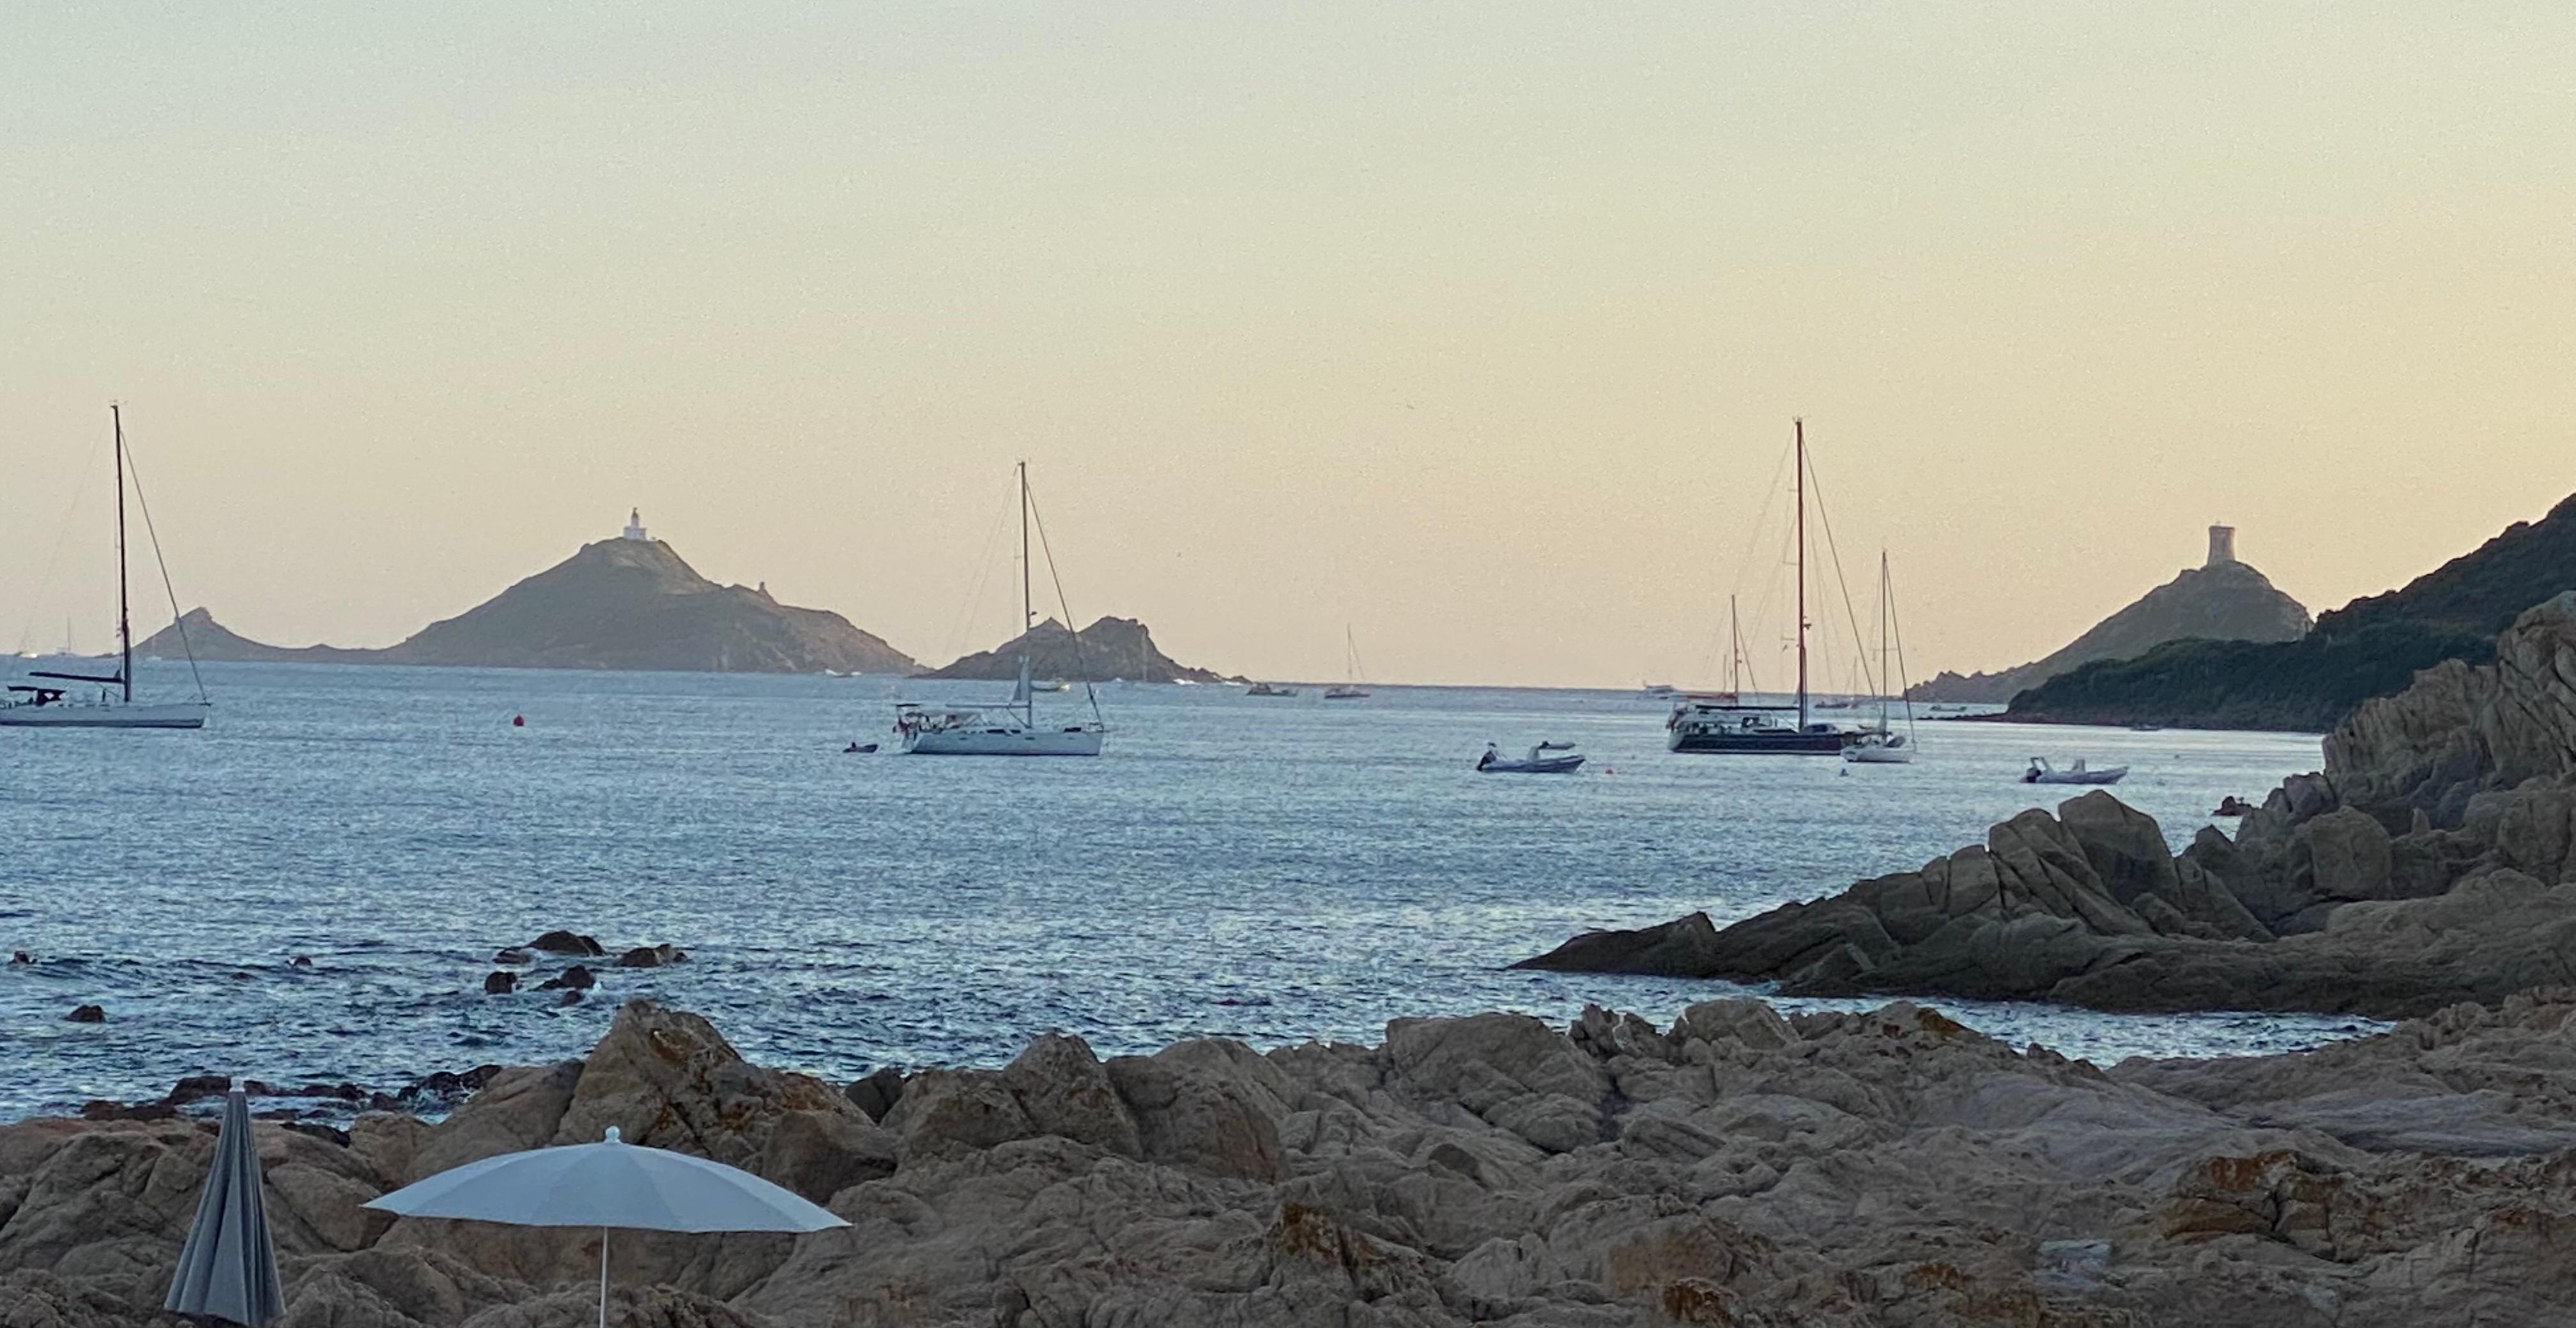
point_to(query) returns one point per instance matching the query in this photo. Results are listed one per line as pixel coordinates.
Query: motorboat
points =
(1049, 685)
(1547, 758)
(50, 701)
(2040, 772)
(1011, 728)
(1266, 689)
(1659, 691)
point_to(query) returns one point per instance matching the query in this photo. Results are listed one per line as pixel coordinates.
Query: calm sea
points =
(1272, 870)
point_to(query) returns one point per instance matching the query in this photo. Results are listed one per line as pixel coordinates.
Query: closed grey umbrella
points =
(228, 1270)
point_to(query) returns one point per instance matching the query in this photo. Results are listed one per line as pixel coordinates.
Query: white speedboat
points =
(2040, 772)
(1011, 728)
(1547, 758)
(54, 703)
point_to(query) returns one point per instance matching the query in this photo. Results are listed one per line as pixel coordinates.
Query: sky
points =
(1473, 329)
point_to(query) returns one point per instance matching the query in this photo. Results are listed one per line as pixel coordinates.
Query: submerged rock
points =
(652, 956)
(567, 943)
(86, 1014)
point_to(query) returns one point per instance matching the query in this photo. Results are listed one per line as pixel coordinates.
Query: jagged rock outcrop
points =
(1109, 648)
(1888, 1169)
(2432, 862)
(2224, 601)
(616, 604)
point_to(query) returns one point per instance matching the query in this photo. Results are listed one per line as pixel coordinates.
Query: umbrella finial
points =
(612, 1134)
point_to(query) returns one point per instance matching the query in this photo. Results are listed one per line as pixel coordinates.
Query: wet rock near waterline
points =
(1857, 1170)
(576, 978)
(512, 955)
(86, 1014)
(567, 943)
(652, 956)
(500, 983)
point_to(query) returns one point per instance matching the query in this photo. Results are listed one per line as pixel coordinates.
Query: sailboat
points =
(1723, 724)
(1012, 728)
(1351, 690)
(37, 705)
(1880, 744)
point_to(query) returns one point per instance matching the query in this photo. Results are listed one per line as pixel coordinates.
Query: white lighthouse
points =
(635, 526)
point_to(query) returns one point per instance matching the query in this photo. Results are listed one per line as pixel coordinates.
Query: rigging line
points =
(1896, 625)
(1851, 614)
(177, 619)
(1056, 579)
(62, 538)
(984, 560)
(1762, 519)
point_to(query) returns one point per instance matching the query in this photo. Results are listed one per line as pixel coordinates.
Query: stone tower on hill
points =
(2220, 600)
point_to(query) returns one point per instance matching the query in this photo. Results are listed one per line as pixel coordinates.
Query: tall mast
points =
(124, 627)
(1883, 608)
(1028, 614)
(1734, 651)
(1028, 611)
(1801, 427)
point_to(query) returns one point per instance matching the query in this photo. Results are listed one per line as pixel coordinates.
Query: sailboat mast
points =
(1028, 611)
(1734, 651)
(1883, 608)
(124, 624)
(1801, 481)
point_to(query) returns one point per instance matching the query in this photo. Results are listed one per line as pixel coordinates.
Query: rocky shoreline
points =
(1737, 1167)
(2433, 861)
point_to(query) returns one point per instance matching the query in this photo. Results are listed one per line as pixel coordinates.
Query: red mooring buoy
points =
(518, 721)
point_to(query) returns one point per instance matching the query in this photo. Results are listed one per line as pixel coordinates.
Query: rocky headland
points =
(2369, 648)
(2432, 861)
(616, 604)
(1863, 1170)
(1109, 648)
(2225, 600)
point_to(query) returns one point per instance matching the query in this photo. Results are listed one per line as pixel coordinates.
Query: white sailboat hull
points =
(113, 715)
(1006, 740)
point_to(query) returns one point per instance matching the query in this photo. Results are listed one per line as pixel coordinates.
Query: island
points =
(628, 602)
(1112, 648)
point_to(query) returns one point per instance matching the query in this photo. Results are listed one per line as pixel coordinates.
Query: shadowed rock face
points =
(2434, 861)
(617, 604)
(1842, 1170)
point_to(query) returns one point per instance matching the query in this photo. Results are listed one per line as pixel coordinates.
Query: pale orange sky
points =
(1476, 327)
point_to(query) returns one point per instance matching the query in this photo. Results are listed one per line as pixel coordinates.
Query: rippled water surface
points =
(1266, 869)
